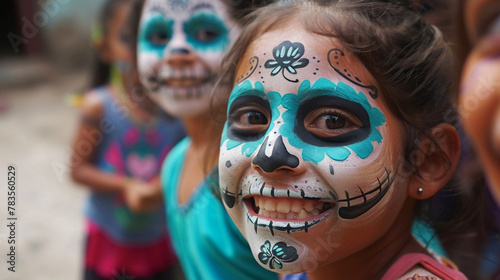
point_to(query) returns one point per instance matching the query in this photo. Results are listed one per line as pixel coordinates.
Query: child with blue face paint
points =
(180, 44)
(338, 131)
(117, 154)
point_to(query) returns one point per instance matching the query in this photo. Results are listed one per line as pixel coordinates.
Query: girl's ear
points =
(435, 161)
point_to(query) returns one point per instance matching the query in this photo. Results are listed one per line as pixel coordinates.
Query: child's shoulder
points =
(419, 266)
(92, 103)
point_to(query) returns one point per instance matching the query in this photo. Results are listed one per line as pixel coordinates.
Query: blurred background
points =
(45, 57)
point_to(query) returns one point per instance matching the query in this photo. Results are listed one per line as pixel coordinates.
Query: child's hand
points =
(141, 196)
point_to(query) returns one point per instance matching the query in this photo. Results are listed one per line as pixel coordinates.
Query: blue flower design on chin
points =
(287, 56)
(324, 87)
(279, 253)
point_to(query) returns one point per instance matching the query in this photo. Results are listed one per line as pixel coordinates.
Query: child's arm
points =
(85, 145)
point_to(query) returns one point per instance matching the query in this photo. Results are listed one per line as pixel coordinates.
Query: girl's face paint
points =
(180, 47)
(308, 158)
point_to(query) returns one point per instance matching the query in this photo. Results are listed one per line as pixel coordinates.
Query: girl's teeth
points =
(283, 206)
(290, 209)
(303, 214)
(296, 206)
(309, 205)
(270, 205)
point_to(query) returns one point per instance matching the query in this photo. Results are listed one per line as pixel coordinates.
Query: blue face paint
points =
(245, 90)
(155, 34)
(324, 88)
(206, 32)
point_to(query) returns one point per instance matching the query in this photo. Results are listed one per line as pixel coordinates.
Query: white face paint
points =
(309, 153)
(180, 47)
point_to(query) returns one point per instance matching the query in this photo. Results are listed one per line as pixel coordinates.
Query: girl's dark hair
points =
(101, 69)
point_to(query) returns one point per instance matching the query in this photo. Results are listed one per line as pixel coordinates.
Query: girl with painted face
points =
(117, 153)
(180, 44)
(336, 132)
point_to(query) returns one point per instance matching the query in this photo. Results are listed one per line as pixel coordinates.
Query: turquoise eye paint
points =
(243, 90)
(206, 32)
(156, 26)
(324, 87)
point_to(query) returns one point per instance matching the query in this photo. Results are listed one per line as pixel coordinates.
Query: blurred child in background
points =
(477, 44)
(122, 146)
(180, 45)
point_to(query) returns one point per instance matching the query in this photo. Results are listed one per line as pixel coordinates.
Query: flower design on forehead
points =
(287, 56)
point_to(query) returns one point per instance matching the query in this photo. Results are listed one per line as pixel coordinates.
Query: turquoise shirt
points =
(207, 243)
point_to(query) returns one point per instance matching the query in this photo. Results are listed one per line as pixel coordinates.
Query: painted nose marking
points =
(278, 158)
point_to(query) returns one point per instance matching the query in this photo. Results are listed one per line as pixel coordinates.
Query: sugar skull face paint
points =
(180, 46)
(308, 157)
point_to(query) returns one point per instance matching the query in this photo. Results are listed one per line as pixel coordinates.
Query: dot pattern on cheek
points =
(323, 87)
(335, 57)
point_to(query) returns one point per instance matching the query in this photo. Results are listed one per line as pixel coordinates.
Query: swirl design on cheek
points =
(254, 62)
(324, 88)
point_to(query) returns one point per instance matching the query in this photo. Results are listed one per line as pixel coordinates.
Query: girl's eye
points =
(159, 38)
(330, 122)
(206, 35)
(249, 120)
(253, 118)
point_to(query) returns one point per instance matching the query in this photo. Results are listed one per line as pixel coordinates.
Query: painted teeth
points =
(290, 209)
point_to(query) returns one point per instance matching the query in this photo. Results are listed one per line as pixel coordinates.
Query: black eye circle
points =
(248, 121)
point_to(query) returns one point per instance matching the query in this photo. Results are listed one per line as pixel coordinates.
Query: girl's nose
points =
(274, 156)
(180, 57)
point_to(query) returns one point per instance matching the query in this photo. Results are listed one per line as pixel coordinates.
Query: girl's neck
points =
(374, 261)
(195, 127)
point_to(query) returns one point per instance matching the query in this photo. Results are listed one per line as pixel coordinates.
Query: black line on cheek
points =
(373, 90)
(229, 198)
(354, 211)
(344, 139)
(331, 170)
